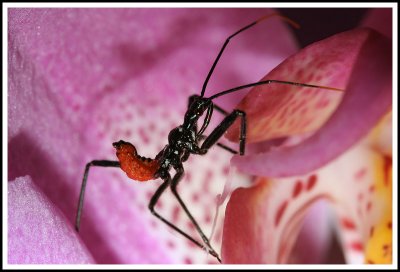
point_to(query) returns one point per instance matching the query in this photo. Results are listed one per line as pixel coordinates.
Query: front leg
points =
(217, 133)
(101, 163)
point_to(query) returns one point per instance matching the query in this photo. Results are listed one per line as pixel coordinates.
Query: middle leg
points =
(174, 183)
(217, 133)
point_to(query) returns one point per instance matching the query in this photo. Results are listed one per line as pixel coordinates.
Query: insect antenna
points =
(271, 81)
(294, 24)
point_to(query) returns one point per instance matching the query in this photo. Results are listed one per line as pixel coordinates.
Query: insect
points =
(183, 141)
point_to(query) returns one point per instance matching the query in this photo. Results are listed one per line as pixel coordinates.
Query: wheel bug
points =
(183, 141)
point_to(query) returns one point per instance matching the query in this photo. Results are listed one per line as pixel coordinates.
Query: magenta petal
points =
(367, 98)
(37, 232)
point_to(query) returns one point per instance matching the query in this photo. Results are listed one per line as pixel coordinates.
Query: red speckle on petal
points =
(387, 167)
(312, 180)
(371, 231)
(370, 261)
(207, 218)
(371, 188)
(128, 133)
(143, 135)
(369, 206)
(195, 197)
(171, 244)
(323, 103)
(348, 224)
(357, 246)
(360, 174)
(225, 170)
(297, 188)
(280, 212)
(188, 260)
(176, 213)
(389, 225)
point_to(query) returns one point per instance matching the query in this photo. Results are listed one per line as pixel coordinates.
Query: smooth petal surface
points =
(80, 79)
(37, 232)
(366, 100)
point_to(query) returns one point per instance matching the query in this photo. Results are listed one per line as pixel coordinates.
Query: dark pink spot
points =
(195, 197)
(188, 260)
(149, 194)
(303, 111)
(171, 244)
(143, 135)
(348, 224)
(153, 224)
(141, 112)
(152, 127)
(76, 107)
(360, 174)
(360, 197)
(297, 189)
(188, 177)
(225, 170)
(128, 133)
(207, 218)
(371, 188)
(307, 122)
(323, 103)
(312, 180)
(280, 212)
(191, 227)
(176, 213)
(299, 74)
(369, 206)
(357, 246)
(129, 116)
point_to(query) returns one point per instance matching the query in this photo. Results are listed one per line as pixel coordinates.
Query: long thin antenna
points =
(270, 82)
(294, 24)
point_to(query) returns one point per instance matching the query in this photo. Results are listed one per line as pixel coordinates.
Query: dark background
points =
(330, 21)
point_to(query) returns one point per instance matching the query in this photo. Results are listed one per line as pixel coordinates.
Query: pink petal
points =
(80, 79)
(367, 99)
(379, 19)
(38, 233)
(263, 222)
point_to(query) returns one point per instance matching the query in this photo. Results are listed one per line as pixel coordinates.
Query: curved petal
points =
(263, 222)
(379, 19)
(367, 99)
(37, 232)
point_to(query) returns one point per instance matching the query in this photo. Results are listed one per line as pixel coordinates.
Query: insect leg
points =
(227, 148)
(152, 204)
(221, 110)
(217, 133)
(174, 184)
(102, 163)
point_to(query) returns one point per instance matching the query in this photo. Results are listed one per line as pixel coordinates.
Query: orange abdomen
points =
(135, 166)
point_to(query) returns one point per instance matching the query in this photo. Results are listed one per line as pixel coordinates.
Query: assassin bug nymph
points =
(183, 141)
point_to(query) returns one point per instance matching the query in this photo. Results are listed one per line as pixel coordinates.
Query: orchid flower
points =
(80, 79)
(339, 150)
